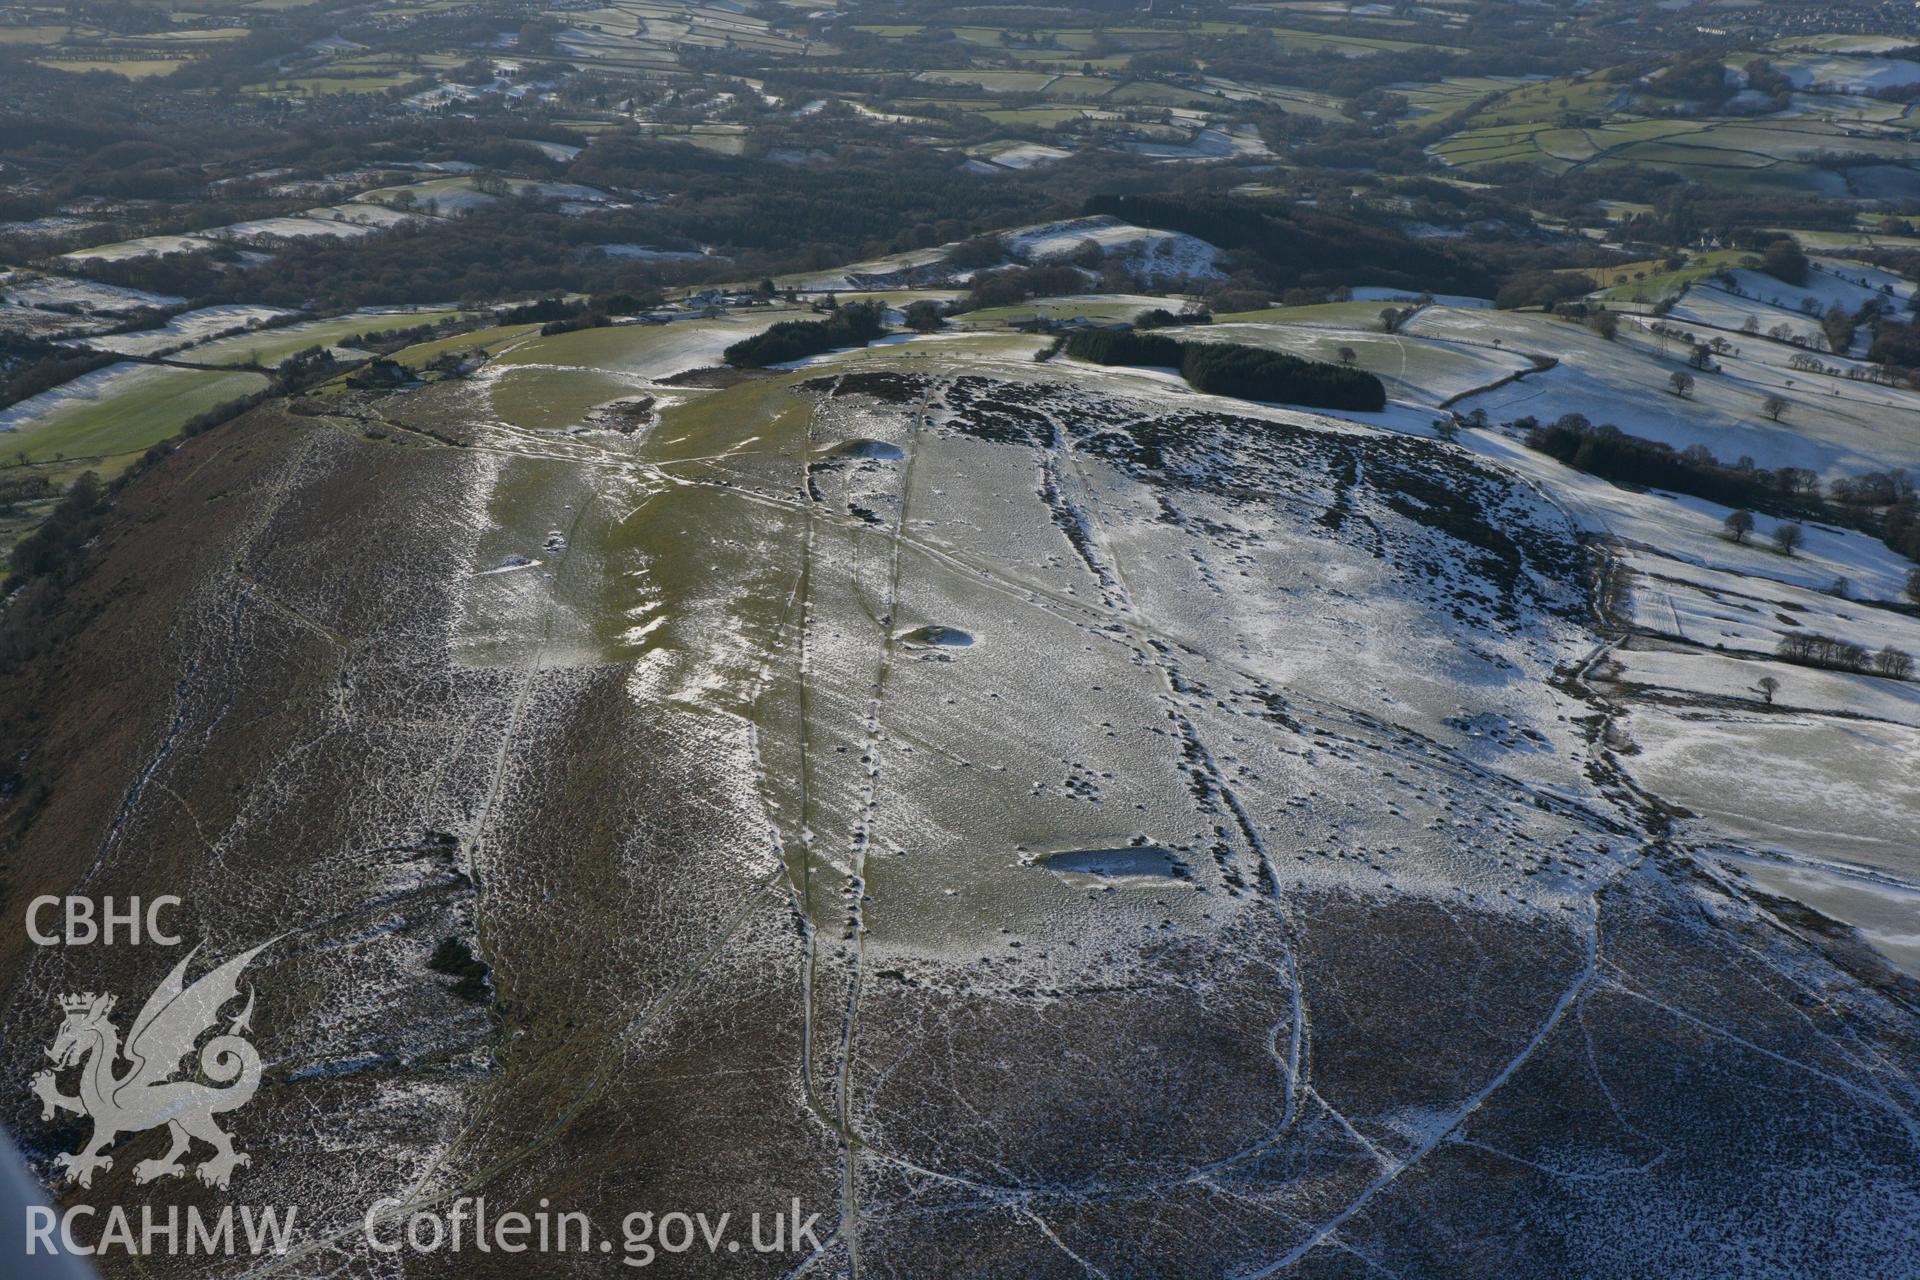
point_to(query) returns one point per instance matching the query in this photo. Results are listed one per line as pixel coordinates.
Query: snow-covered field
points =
(1163, 256)
(344, 221)
(560, 151)
(29, 290)
(1027, 155)
(1158, 254)
(300, 228)
(1848, 74)
(143, 247)
(645, 253)
(1836, 787)
(88, 387)
(1205, 144)
(1848, 286)
(1691, 531)
(186, 329)
(1812, 797)
(1717, 609)
(1831, 426)
(1718, 309)
(361, 214)
(452, 195)
(1729, 678)
(1375, 293)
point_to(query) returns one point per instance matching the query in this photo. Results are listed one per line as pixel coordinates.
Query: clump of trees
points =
(1697, 78)
(16, 489)
(455, 958)
(978, 252)
(28, 367)
(1011, 285)
(1784, 260)
(854, 325)
(1229, 369)
(1541, 289)
(1876, 501)
(586, 320)
(1900, 529)
(1811, 649)
(52, 550)
(1127, 347)
(1839, 325)
(1161, 318)
(1295, 246)
(1393, 318)
(1610, 453)
(1255, 374)
(1895, 344)
(924, 316)
(543, 310)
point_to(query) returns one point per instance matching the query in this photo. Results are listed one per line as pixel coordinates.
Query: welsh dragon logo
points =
(145, 1095)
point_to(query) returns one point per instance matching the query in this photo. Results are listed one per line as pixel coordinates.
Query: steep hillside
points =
(1034, 815)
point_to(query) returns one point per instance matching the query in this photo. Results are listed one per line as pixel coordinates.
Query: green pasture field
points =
(1668, 283)
(492, 341)
(137, 409)
(268, 347)
(991, 81)
(130, 68)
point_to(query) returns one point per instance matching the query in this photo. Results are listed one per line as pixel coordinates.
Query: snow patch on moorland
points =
(1161, 255)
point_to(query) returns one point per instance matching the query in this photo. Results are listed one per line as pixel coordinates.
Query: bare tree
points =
(1787, 537)
(1768, 686)
(1681, 383)
(1739, 524)
(1913, 585)
(1810, 648)
(1795, 480)
(1348, 355)
(1774, 406)
(1896, 663)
